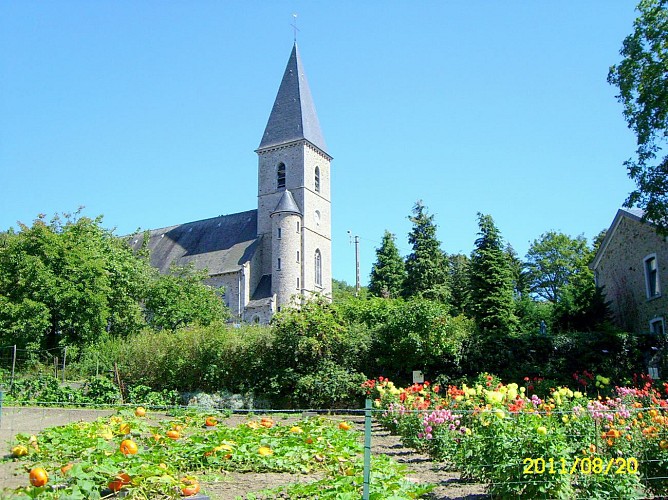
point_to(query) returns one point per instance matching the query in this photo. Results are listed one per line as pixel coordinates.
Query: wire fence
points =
(15, 360)
(535, 468)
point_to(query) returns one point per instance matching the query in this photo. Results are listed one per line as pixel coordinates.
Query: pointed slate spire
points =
(287, 203)
(293, 116)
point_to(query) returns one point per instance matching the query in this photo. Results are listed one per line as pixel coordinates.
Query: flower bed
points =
(563, 445)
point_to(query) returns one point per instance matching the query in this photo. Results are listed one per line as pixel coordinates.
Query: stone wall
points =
(621, 273)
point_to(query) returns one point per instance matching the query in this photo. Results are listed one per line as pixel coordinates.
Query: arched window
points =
(317, 179)
(318, 268)
(280, 176)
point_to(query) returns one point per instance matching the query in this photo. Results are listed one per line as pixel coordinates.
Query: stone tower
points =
(294, 203)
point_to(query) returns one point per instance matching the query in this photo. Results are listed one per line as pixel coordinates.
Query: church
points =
(269, 257)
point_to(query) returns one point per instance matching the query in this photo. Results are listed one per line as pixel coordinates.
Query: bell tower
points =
(294, 199)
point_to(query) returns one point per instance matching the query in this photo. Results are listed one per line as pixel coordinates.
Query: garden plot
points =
(238, 456)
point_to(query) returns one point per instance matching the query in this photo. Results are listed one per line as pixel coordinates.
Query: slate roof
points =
(220, 244)
(287, 203)
(635, 214)
(293, 116)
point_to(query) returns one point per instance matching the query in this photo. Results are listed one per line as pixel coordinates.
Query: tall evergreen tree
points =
(521, 281)
(426, 266)
(491, 281)
(388, 273)
(458, 270)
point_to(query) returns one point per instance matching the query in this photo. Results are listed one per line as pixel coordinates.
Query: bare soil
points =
(228, 486)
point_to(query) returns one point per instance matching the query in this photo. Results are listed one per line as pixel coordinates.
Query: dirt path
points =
(232, 485)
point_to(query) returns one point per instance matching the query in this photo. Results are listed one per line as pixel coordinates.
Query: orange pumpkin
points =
(140, 411)
(120, 481)
(189, 486)
(129, 447)
(39, 477)
(173, 434)
(211, 422)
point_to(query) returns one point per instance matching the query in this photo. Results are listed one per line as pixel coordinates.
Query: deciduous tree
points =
(553, 260)
(181, 298)
(72, 281)
(642, 80)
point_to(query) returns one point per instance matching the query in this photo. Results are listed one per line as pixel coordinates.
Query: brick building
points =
(631, 266)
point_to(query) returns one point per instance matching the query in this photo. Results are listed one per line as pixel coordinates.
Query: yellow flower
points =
(265, 451)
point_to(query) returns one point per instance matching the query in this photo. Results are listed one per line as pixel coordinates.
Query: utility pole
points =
(357, 262)
(357, 265)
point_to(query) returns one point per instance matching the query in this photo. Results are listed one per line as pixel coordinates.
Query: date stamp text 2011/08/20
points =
(585, 465)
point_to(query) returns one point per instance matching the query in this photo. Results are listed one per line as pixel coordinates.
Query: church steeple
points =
(293, 116)
(293, 197)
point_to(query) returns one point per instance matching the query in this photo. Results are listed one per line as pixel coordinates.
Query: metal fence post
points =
(367, 449)
(64, 358)
(11, 381)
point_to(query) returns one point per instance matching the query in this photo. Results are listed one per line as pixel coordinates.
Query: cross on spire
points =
(294, 26)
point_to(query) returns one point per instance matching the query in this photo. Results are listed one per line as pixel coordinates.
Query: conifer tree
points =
(458, 270)
(491, 281)
(426, 266)
(388, 273)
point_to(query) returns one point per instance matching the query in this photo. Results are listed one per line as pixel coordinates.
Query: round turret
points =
(286, 247)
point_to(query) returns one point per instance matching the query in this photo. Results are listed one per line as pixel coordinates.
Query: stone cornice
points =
(300, 142)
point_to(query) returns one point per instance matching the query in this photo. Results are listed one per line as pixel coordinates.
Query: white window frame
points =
(653, 322)
(648, 290)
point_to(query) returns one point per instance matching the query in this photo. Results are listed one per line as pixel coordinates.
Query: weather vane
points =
(294, 26)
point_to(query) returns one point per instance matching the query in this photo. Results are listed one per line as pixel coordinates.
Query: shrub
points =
(330, 387)
(419, 334)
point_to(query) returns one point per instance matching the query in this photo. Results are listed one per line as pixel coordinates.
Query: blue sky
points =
(149, 112)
